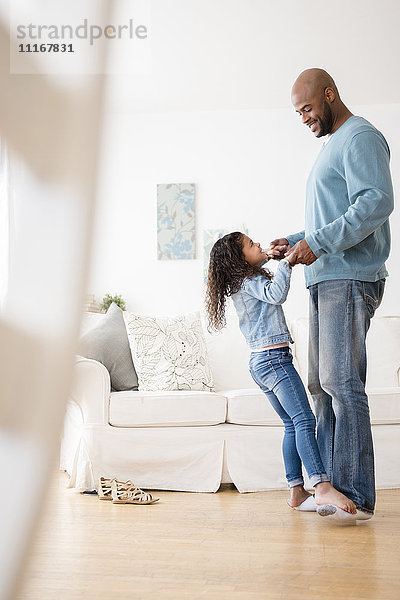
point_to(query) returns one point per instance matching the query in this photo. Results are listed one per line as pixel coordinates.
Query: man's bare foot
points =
(297, 496)
(325, 493)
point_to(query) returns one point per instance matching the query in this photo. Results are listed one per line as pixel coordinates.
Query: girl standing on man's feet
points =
(235, 270)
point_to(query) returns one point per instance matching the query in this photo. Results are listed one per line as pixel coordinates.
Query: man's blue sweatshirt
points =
(349, 198)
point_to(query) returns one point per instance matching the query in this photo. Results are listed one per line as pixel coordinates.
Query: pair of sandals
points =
(123, 492)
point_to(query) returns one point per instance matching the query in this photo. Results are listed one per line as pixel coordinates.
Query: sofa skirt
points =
(195, 459)
(192, 459)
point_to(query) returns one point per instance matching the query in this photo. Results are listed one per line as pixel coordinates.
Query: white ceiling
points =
(245, 54)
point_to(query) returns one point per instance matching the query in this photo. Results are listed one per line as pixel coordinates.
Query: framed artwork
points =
(176, 234)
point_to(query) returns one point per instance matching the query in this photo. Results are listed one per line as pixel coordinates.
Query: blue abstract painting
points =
(176, 235)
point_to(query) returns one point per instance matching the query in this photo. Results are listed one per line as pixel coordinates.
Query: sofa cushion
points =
(250, 407)
(169, 353)
(107, 342)
(173, 408)
(384, 405)
(383, 342)
(229, 356)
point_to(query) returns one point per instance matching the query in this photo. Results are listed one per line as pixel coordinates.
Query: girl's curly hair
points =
(226, 271)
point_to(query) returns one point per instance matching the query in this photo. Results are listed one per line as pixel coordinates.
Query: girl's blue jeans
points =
(274, 373)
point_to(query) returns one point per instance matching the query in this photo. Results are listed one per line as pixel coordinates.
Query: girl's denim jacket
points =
(258, 305)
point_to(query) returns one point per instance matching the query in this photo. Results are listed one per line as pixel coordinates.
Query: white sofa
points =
(194, 441)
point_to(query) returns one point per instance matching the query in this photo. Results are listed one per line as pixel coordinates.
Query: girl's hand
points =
(278, 248)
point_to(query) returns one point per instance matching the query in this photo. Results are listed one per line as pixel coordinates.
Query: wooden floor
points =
(213, 546)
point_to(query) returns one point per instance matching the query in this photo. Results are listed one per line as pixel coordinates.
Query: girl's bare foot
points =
(325, 493)
(297, 496)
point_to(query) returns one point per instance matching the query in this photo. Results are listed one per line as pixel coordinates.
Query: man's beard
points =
(327, 120)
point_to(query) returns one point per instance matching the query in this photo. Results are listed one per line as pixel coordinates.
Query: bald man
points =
(349, 198)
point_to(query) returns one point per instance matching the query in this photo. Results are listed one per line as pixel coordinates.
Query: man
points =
(346, 241)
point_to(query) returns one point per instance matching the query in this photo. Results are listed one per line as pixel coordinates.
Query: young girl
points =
(235, 270)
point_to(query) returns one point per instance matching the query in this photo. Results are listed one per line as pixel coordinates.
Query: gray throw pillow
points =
(108, 343)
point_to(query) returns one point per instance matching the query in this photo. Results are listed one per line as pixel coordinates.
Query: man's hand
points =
(302, 254)
(278, 248)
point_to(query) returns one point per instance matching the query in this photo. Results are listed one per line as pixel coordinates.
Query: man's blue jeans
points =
(340, 314)
(274, 373)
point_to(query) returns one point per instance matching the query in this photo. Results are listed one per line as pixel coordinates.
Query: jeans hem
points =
(297, 481)
(368, 511)
(318, 478)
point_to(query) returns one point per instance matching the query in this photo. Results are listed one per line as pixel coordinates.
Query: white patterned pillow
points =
(169, 352)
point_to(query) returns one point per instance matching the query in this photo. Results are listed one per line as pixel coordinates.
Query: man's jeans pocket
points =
(373, 294)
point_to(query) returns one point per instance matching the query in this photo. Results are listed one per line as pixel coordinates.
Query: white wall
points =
(245, 54)
(250, 169)
(212, 106)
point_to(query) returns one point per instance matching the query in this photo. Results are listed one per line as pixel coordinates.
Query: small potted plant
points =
(107, 300)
